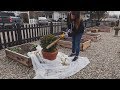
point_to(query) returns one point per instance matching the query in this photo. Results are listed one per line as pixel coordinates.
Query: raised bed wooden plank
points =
(104, 30)
(20, 56)
(100, 29)
(92, 36)
(85, 45)
(68, 44)
(94, 30)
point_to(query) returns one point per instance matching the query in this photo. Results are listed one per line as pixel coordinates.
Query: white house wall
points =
(55, 16)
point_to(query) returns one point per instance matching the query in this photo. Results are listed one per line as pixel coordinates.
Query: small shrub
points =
(46, 40)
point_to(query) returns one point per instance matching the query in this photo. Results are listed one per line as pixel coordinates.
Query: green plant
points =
(46, 40)
(33, 47)
(15, 49)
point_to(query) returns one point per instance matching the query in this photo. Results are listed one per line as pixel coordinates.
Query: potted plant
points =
(52, 52)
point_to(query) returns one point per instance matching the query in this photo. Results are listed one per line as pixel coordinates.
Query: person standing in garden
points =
(75, 24)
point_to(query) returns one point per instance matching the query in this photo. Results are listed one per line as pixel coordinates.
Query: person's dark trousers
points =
(76, 43)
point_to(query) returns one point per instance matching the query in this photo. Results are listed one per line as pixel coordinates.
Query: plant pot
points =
(50, 55)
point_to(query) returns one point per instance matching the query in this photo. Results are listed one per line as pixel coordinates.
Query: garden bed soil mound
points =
(23, 49)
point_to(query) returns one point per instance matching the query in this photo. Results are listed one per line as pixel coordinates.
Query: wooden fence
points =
(26, 33)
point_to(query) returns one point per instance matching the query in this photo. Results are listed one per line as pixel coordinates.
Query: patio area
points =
(104, 57)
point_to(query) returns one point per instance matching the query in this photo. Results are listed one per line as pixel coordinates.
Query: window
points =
(50, 16)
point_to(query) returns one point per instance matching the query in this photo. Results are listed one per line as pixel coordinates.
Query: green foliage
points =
(15, 49)
(33, 48)
(46, 40)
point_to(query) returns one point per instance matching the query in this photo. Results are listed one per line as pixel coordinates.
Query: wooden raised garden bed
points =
(94, 30)
(104, 29)
(101, 28)
(19, 53)
(92, 36)
(68, 43)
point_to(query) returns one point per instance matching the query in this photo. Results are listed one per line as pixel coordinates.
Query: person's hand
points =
(66, 35)
(69, 30)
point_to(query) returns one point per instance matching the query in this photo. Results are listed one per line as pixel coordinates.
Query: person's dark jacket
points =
(80, 28)
(68, 21)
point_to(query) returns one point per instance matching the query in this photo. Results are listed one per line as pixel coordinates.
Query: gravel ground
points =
(104, 57)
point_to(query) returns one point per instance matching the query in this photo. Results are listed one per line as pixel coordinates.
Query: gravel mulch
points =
(104, 57)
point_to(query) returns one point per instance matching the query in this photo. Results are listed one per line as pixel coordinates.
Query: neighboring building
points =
(85, 15)
(52, 15)
(48, 14)
(27, 16)
(62, 15)
(56, 15)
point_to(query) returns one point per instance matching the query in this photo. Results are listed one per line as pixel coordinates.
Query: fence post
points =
(4, 39)
(1, 40)
(51, 28)
(19, 34)
(0, 43)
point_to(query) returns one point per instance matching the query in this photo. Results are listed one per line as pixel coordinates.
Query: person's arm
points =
(81, 27)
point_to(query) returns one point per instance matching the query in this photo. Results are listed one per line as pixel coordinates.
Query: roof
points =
(6, 14)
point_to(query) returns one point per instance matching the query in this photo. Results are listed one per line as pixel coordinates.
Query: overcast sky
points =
(114, 12)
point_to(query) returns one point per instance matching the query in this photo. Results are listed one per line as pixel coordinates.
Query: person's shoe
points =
(71, 55)
(75, 58)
